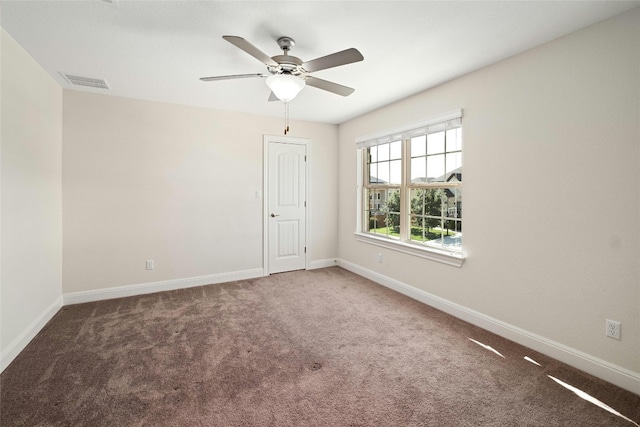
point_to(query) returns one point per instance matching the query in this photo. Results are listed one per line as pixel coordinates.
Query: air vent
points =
(85, 81)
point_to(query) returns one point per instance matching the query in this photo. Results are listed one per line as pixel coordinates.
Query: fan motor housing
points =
(286, 63)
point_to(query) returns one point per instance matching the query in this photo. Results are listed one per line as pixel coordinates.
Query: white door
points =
(286, 207)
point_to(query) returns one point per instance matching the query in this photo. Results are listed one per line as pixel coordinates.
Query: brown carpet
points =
(309, 348)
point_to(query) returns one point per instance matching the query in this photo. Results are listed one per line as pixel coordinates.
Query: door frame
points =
(268, 139)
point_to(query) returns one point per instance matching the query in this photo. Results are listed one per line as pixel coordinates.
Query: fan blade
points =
(334, 60)
(235, 76)
(329, 86)
(273, 97)
(241, 43)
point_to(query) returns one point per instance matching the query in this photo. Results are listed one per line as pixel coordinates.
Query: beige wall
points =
(31, 209)
(551, 191)
(146, 180)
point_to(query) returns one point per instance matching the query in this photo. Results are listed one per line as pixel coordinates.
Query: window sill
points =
(432, 254)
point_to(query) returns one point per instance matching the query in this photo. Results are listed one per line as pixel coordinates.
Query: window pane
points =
(392, 209)
(383, 172)
(393, 230)
(434, 200)
(454, 142)
(395, 171)
(373, 173)
(396, 150)
(373, 154)
(427, 201)
(454, 161)
(418, 169)
(435, 167)
(435, 143)
(383, 152)
(453, 202)
(419, 146)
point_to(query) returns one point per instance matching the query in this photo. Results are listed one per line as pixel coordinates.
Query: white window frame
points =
(403, 244)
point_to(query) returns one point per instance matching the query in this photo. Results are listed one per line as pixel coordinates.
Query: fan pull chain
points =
(286, 118)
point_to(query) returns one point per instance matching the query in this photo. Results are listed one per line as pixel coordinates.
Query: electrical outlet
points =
(380, 258)
(149, 264)
(613, 329)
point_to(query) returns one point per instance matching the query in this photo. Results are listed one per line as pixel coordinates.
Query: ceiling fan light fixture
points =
(285, 86)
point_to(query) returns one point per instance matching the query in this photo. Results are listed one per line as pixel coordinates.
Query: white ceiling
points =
(157, 50)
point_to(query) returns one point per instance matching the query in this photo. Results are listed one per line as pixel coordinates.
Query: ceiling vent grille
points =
(85, 81)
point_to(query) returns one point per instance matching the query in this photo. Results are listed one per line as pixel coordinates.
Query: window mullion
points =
(405, 211)
(364, 194)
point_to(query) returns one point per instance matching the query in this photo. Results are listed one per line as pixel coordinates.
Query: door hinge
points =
(305, 249)
(305, 158)
(305, 203)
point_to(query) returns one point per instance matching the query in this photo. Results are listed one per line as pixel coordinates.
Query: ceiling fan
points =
(287, 74)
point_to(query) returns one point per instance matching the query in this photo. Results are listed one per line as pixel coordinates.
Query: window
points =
(411, 185)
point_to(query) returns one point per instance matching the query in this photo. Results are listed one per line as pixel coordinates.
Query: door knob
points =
(274, 215)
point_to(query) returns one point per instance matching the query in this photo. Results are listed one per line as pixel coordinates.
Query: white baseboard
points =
(152, 287)
(609, 372)
(323, 263)
(21, 342)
